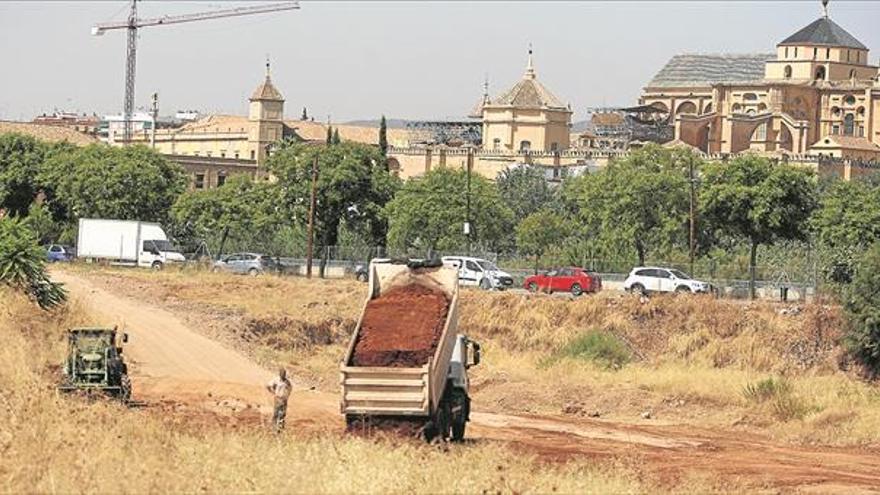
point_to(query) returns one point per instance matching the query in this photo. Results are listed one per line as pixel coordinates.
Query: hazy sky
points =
(355, 60)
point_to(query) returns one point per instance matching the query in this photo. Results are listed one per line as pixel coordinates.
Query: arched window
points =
(708, 108)
(787, 72)
(852, 73)
(762, 107)
(736, 107)
(760, 133)
(849, 124)
(820, 73)
(525, 145)
(687, 107)
(750, 97)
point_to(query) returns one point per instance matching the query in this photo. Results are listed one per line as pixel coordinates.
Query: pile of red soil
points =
(401, 328)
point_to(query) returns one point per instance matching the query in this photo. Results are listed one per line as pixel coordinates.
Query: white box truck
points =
(125, 242)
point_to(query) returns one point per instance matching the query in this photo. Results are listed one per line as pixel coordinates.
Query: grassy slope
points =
(55, 443)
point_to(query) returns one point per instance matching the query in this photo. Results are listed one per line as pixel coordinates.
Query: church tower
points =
(265, 116)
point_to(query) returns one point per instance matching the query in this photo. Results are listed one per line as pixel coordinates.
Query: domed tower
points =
(527, 117)
(266, 116)
(821, 51)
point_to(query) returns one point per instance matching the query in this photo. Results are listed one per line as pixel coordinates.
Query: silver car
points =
(252, 264)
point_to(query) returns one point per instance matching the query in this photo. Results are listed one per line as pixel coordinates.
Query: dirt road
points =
(172, 363)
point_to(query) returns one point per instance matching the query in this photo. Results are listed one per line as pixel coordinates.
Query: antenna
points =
(825, 8)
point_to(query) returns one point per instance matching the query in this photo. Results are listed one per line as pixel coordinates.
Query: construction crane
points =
(132, 24)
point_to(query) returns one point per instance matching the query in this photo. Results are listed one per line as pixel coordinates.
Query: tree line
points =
(637, 208)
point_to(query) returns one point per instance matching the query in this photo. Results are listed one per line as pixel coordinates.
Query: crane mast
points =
(133, 23)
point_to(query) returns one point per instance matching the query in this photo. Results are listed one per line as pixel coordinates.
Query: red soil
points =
(401, 328)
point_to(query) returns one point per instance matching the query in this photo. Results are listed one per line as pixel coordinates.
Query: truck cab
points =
(156, 253)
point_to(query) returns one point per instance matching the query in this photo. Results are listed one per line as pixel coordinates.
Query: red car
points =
(574, 280)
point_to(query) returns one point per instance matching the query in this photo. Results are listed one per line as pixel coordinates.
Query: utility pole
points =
(693, 214)
(155, 114)
(467, 219)
(311, 233)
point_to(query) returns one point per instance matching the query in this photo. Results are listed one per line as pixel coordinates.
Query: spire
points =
(530, 68)
(486, 89)
(267, 66)
(825, 8)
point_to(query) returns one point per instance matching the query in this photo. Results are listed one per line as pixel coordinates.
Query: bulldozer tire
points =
(125, 385)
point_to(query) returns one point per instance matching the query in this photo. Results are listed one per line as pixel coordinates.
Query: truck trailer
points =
(125, 242)
(432, 395)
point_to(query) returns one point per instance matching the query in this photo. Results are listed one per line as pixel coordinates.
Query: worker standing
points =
(280, 389)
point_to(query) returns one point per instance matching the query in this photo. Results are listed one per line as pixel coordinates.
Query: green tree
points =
(539, 231)
(98, 181)
(329, 134)
(638, 203)
(752, 199)
(23, 264)
(335, 139)
(862, 310)
(525, 190)
(383, 136)
(305, 114)
(242, 212)
(20, 160)
(846, 222)
(428, 213)
(353, 187)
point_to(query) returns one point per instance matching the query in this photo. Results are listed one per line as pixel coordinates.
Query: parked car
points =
(58, 252)
(479, 272)
(570, 279)
(252, 264)
(658, 279)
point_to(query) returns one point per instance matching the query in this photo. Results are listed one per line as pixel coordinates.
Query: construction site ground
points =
(177, 366)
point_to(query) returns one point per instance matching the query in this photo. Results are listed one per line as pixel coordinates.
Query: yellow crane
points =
(133, 23)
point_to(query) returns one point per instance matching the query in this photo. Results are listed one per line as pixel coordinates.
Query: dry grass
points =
(59, 444)
(691, 356)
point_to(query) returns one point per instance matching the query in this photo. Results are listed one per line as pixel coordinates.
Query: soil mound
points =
(401, 328)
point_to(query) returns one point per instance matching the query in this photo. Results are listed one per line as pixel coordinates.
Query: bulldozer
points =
(94, 363)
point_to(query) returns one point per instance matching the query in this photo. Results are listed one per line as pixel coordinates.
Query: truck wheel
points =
(157, 265)
(459, 413)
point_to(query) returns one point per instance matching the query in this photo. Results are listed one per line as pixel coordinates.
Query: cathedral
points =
(818, 94)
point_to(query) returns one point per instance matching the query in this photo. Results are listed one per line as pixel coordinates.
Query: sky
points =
(359, 60)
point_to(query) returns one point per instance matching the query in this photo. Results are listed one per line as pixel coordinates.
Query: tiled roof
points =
(529, 93)
(267, 91)
(51, 133)
(215, 123)
(316, 131)
(607, 118)
(847, 142)
(706, 70)
(823, 31)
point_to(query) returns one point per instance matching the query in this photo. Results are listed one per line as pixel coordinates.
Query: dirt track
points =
(172, 363)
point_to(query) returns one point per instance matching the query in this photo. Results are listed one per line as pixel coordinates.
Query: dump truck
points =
(94, 363)
(426, 387)
(125, 242)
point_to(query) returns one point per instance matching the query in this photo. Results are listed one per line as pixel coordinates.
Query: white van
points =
(125, 242)
(479, 272)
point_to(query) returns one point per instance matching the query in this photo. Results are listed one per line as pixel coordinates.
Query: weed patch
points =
(603, 348)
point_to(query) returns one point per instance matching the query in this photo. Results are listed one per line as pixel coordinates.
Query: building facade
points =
(818, 94)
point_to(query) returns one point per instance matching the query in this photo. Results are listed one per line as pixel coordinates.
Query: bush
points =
(862, 310)
(599, 346)
(766, 389)
(23, 264)
(777, 394)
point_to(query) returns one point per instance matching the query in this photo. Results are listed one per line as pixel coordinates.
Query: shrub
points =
(23, 264)
(599, 346)
(862, 309)
(766, 389)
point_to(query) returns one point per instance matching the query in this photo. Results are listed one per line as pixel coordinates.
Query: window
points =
(663, 274)
(209, 153)
(850, 100)
(849, 124)
(750, 97)
(787, 72)
(852, 74)
(815, 53)
(847, 55)
(253, 155)
(835, 129)
(525, 145)
(861, 131)
(470, 265)
(646, 273)
(496, 143)
(820, 74)
(795, 52)
(200, 181)
(565, 272)
(760, 133)
(195, 153)
(827, 53)
(786, 52)
(236, 155)
(554, 146)
(222, 153)
(221, 179)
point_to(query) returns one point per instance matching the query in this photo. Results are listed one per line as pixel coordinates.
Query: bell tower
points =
(265, 115)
